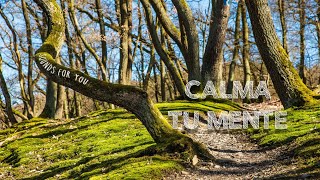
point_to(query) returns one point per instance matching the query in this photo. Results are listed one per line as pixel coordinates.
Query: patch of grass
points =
(115, 145)
(112, 144)
(302, 136)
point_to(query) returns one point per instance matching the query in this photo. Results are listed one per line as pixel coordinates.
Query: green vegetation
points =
(111, 144)
(114, 144)
(106, 144)
(302, 136)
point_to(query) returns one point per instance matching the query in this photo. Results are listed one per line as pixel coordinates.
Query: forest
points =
(159, 89)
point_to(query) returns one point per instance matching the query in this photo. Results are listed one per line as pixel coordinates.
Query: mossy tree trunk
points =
(131, 98)
(289, 86)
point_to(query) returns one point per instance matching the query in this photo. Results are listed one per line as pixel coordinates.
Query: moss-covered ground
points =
(302, 138)
(109, 144)
(113, 144)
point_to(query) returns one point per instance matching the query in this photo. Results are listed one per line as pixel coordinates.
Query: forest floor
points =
(240, 157)
(113, 144)
(237, 158)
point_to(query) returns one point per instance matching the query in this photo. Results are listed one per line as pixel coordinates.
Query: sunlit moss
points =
(302, 135)
(84, 147)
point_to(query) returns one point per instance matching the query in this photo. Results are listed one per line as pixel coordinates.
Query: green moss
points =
(115, 145)
(99, 145)
(302, 136)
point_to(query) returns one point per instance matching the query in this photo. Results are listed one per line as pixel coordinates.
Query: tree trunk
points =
(7, 97)
(213, 56)
(246, 47)
(125, 44)
(235, 55)
(30, 62)
(289, 86)
(163, 68)
(156, 89)
(318, 32)
(51, 100)
(102, 33)
(281, 5)
(61, 97)
(302, 15)
(150, 67)
(163, 81)
(130, 53)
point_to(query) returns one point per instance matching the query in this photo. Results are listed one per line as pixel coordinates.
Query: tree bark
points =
(51, 100)
(192, 60)
(7, 97)
(318, 32)
(302, 15)
(102, 33)
(213, 56)
(289, 86)
(125, 68)
(31, 84)
(61, 97)
(235, 55)
(281, 5)
(246, 47)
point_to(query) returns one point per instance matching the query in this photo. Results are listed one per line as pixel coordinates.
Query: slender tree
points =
(281, 6)
(31, 83)
(302, 16)
(236, 48)
(7, 97)
(246, 45)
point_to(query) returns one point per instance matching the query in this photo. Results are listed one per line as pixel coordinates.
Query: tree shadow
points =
(64, 131)
(53, 171)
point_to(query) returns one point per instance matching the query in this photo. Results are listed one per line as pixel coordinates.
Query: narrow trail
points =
(237, 158)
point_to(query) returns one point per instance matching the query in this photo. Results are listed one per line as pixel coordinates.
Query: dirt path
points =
(237, 158)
